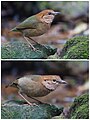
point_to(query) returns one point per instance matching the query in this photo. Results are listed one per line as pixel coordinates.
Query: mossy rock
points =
(76, 48)
(19, 110)
(80, 108)
(20, 50)
(61, 116)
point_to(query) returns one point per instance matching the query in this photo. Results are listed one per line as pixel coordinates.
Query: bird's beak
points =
(62, 82)
(56, 13)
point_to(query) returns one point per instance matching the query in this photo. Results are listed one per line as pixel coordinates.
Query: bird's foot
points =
(34, 49)
(37, 49)
(37, 43)
(43, 46)
(32, 104)
(39, 102)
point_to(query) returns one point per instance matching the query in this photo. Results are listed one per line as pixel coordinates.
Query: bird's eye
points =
(54, 80)
(44, 80)
(49, 13)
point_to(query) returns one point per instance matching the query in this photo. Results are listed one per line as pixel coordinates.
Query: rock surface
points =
(20, 50)
(80, 108)
(19, 110)
(75, 48)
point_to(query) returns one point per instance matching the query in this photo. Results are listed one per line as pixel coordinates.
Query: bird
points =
(36, 85)
(36, 25)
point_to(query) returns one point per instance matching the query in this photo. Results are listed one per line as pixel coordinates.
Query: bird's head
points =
(51, 82)
(47, 16)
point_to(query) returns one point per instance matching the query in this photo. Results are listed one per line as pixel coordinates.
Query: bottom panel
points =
(31, 86)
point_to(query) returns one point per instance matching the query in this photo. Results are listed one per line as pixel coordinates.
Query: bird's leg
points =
(30, 45)
(36, 99)
(37, 42)
(25, 98)
(34, 40)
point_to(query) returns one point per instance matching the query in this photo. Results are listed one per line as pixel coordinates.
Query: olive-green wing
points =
(29, 23)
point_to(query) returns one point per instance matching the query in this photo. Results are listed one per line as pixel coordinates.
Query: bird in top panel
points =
(36, 25)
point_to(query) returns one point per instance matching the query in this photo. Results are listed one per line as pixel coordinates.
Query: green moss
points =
(14, 110)
(80, 108)
(20, 50)
(76, 48)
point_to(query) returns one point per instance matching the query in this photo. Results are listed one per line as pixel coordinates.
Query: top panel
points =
(45, 30)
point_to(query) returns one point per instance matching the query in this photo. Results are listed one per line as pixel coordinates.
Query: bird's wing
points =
(32, 78)
(29, 23)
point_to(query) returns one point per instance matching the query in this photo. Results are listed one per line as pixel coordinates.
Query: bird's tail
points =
(13, 84)
(14, 29)
(8, 85)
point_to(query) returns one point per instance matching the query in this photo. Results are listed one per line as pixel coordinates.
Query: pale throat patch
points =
(48, 18)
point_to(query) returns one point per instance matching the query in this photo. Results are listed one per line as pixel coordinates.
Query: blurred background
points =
(76, 73)
(73, 21)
